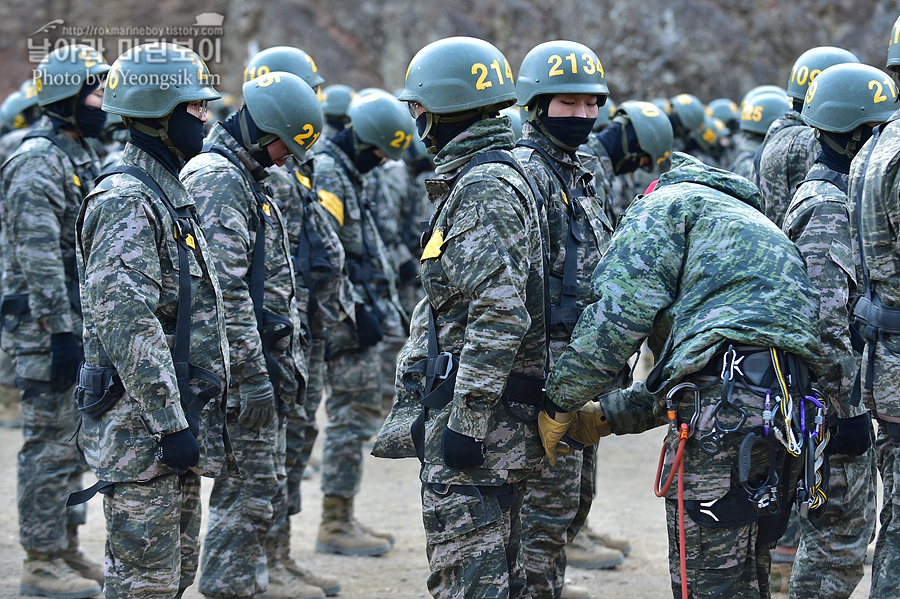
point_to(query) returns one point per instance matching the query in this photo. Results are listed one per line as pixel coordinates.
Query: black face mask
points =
(367, 160)
(186, 131)
(421, 124)
(90, 119)
(568, 132)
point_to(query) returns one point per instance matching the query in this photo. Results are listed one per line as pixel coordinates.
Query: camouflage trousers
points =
(835, 543)
(473, 545)
(49, 467)
(552, 499)
(725, 563)
(241, 513)
(886, 564)
(152, 537)
(388, 350)
(354, 415)
(302, 430)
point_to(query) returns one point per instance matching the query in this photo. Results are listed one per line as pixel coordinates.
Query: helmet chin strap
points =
(162, 133)
(849, 150)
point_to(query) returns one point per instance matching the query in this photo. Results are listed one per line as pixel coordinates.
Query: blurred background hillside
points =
(712, 48)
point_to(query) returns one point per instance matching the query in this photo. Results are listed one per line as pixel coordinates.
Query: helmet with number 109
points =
(812, 62)
(287, 59)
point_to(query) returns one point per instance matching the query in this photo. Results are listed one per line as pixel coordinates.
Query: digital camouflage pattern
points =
(482, 273)
(818, 222)
(242, 509)
(789, 151)
(40, 200)
(693, 267)
(9, 142)
(553, 494)
(745, 151)
(127, 254)
(879, 188)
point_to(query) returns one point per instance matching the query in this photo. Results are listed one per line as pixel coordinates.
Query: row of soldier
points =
(324, 294)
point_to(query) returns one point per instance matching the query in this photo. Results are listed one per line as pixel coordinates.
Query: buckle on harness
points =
(447, 367)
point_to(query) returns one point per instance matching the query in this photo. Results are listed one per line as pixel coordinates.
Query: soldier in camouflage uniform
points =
(156, 361)
(20, 110)
(43, 184)
(561, 113)
(378, 131)
(697, 270)
(841, 108)
(638, 137)
(318, 261)
(252, 254)
(482, 270)
(335, 102)
(874, 218)
(789, 149)
(759, 110)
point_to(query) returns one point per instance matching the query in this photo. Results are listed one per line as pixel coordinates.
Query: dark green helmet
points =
(457, 74)
(724, 109)
(812, 62)
(845, 96)
(150, 80)
(336, 99)
(380, 120)
(893, 59)
(761, 109)
(286, 59)
(20, 107)
(515, 116)
(689, 111)
(62, 73)
(652, 128)
(663, 104)
(707, 135)
(560, 67)
(284, 105)
(605, 115)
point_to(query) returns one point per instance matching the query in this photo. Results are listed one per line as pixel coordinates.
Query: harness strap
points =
(830, 176)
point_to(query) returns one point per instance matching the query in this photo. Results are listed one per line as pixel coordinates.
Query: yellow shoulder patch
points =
(76, 180)
(304, 181)
(266, 209)
(433, 247)
(332, 204)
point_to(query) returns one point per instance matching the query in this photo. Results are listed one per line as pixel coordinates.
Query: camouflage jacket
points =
(591, 232)
(11, 141)
(818, 222)
(42, 191)
(482, 271)
(293, 189)
(789, 151)
(693, 266)
(390, 195)
(880, 216)
(230, 214)
(745, 152)
(343, 191)
(128, 263)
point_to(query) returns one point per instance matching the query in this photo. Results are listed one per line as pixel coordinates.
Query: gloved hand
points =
(257, 401)
(368, 329)
(552, 429)
(66, 356)
(460, 451)
(179, 450)
(590, 424)
(852, 436)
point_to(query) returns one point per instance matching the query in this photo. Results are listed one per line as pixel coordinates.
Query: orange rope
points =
(677, 465)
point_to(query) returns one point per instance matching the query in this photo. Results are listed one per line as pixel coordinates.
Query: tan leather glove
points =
(590, 424)
(552, 429)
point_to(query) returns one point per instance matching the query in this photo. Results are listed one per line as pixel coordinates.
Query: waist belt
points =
(754, 370)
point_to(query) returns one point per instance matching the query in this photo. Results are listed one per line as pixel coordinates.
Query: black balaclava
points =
(796, 105)
(73, 114)
(183, 131)
(338, 123)
(621, 143)
(362, 155)
(838, 149)
(445, 127)
(568, 132)
(254, 135)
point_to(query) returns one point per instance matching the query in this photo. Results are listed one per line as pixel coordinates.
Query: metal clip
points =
(670, 405)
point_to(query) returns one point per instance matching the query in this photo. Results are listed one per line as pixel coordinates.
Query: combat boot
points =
(340, 533)
(330, 584)
(571, 591)
(607, 540)
(50, 576)
(78, 561)
(581, 552)
(284, 585)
